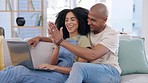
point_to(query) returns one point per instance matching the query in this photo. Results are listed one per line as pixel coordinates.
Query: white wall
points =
(5, 19)
(145, 23)
(5, 23)
(119, 18)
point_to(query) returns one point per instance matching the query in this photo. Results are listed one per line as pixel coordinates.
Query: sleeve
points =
(84, 42)
(111, 41)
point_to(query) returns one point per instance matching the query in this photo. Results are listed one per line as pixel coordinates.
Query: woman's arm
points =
(82, 60)
(54, 56)
(57, 68)
(65, 70)
(45, 39)
(34, 41)
(54, 59)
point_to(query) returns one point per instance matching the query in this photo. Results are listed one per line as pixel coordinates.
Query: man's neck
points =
(100, 29)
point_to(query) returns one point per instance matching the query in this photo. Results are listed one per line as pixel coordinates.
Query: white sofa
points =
(135, 78)
(44, 48)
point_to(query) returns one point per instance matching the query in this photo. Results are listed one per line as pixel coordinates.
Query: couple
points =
(102, 66)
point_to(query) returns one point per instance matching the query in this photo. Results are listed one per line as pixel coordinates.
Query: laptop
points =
(20, 55)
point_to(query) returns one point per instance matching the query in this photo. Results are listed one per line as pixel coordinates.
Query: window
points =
(55, 6)
(124, 15)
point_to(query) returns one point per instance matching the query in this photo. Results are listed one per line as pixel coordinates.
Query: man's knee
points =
(79, 66)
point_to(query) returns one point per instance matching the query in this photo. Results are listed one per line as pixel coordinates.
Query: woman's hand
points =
(33, 42)
(47, 66)
(54, 33)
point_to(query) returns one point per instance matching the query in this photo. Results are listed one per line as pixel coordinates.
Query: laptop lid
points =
(20, 54)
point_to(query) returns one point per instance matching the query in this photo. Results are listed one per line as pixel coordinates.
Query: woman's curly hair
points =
(81, 15)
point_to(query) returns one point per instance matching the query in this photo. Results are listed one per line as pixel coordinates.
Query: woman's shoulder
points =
(83, 38)
(84, 41)
(79, 38)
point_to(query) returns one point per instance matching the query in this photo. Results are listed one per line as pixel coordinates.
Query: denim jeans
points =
(21, 74)
(93, 73)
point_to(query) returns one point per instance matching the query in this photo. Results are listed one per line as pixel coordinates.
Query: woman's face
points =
(71, 23)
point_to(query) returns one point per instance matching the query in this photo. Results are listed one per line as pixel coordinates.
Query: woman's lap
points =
(24, 75)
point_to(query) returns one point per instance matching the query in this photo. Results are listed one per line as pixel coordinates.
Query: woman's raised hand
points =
(55, 34)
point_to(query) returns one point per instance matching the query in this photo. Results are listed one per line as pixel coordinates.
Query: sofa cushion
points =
(132, 57)
(135, 78)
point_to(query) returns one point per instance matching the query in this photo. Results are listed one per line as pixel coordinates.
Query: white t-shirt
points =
(110, 39)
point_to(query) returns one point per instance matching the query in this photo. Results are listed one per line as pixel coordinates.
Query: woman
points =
(74, 23)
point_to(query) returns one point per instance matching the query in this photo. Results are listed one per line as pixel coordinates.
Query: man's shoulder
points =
(109, 29)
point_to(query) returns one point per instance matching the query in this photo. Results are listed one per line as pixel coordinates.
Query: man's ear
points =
(106, 19)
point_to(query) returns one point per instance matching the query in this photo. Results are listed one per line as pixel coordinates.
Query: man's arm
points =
(86, 53)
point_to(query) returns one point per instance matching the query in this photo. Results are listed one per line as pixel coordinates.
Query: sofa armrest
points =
(7, 60)
(1, 52)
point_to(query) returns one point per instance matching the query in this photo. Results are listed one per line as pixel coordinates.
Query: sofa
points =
(132, 58)
(1, 52)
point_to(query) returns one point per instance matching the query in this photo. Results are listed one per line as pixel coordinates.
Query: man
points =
(103, 58)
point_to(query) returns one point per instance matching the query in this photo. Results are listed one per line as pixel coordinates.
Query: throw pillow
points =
(132, 56)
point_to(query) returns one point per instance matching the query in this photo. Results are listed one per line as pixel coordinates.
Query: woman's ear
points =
(61, 31)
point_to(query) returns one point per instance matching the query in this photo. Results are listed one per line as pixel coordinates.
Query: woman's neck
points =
(72, 35)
